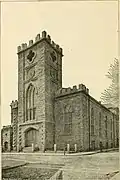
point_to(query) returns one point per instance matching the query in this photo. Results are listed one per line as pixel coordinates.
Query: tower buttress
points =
(14, 122)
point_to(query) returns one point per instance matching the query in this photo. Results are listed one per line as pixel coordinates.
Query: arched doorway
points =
(6, 146)
(31, 137)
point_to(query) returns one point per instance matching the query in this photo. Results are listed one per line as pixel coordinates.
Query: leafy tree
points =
(111, 94)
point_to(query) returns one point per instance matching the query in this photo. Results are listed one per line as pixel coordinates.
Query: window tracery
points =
(30, 103)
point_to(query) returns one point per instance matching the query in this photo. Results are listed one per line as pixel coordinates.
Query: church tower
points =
(39, 76)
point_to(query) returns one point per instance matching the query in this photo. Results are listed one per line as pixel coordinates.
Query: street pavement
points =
(84, 166)
(101, 166)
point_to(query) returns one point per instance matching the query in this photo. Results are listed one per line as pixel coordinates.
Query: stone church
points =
(46, 114)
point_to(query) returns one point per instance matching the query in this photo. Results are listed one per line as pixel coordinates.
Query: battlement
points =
(74, 89)
(39, 38)
(7, 127)
(14, 104)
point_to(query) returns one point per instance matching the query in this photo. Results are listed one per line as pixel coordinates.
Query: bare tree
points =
(111, 94)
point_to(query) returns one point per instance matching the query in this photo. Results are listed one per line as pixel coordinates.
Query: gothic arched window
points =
(99, 124)
(106, 126)
(30, 103)
(92, 121)
(68, 119)
(111, 129)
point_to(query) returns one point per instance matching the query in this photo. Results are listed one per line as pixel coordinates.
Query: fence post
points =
(75, 147)
(55, 148)
(68, 148)
(32, 147)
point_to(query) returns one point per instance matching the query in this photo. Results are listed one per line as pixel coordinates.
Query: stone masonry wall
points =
(82, 133)
(39, 127)
(37, 78)
(105, 113)
(7, 138)
(76, 136)
(53, 81)
(14, 123)
(85, 118)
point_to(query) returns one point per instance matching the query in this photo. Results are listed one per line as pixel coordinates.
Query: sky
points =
(87, 32)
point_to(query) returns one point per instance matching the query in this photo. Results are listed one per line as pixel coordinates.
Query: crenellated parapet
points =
(14, 104)
(7, 127)
(74, 89)
(38, 38)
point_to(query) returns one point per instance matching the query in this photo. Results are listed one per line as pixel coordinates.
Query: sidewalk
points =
(8, 164)
(61, 153)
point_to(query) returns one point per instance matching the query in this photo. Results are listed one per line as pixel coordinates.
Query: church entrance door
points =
(31, 137)
(6, 146)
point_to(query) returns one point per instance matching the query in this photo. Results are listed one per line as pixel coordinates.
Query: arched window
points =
(111, 129)
(106, 126)
(30, 103)
(68, 120)
(99, 124)
(92, 121)
(34, 108)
